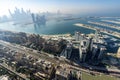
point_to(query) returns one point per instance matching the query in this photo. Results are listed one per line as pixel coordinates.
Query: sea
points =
(56, 26)
(53, 27)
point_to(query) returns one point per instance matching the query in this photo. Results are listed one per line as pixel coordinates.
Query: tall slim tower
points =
(91, 44)
(33, 17)
(80, 52)
(77, 36)
(118, 53)
(10, 12)
(101, 53)
(96, 35)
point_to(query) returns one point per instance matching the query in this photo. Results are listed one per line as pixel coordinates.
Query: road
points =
(16, 73)
(58, 60)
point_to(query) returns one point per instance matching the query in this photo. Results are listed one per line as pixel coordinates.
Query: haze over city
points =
(59, 39)
(82, 7)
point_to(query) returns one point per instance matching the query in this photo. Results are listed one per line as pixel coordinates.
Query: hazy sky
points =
(66, 6)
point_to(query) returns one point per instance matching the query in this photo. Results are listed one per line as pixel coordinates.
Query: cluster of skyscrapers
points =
(38, 19)
(20, 16)
(88, 48)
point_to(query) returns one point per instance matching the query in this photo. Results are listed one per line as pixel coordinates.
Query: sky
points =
(107, 7)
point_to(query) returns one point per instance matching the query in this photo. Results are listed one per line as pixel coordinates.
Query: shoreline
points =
(66, 34)
(112, 33)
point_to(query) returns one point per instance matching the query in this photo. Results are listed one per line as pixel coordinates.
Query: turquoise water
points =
(51, 27)
(55, 26)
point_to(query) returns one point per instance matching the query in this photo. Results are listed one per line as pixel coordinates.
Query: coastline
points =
(116, 34)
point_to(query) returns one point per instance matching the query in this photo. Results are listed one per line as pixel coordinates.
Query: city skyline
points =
(59, 40)
(86, 7)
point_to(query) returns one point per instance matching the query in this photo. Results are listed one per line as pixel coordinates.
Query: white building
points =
(4, 77)
(118, 53)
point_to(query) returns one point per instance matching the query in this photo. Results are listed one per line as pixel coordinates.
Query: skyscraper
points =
(118, 53)
(77, 36)
(96, 36)
(80, 52)
(91, 44)
(67, 51)
(33, 17)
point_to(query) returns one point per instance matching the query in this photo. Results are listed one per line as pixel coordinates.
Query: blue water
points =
(51, 27)
(55, 26)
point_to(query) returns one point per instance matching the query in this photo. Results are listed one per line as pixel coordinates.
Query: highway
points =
(59, 60)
